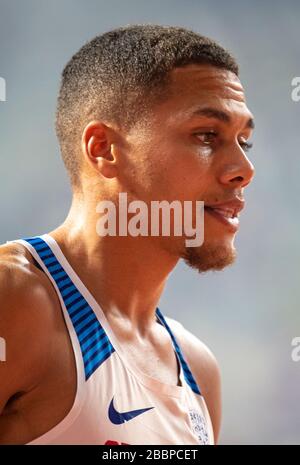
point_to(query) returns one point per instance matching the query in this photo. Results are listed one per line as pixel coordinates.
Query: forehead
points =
(194, 86)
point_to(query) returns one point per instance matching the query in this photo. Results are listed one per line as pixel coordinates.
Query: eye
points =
(246, 145)
(206, 137)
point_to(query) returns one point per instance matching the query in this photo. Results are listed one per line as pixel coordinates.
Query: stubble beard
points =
(209, 257)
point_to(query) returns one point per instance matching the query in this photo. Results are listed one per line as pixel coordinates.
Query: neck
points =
(126, 275)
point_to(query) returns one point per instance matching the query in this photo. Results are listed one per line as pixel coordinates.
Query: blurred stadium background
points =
(247, 314)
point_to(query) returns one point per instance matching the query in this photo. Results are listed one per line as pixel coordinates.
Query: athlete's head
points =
(158, 112)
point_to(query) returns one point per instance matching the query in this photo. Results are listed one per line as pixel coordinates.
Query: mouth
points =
(226, 213)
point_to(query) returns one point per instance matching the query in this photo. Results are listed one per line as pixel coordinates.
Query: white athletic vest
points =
(115, 402)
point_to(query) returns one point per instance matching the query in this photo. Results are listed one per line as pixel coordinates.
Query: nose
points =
(239, 171)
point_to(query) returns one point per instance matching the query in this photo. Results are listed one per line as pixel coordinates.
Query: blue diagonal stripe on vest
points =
(94, 343)
(186, 370)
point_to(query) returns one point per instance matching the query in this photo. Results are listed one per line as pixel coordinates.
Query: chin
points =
(210, 257)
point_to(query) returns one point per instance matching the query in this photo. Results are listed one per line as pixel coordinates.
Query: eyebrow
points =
(219, 115)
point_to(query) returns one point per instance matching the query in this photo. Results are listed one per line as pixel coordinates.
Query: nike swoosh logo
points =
(120, 417)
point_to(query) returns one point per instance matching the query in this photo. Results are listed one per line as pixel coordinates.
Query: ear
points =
(97, 147)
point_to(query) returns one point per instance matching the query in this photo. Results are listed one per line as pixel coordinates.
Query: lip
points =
(227, 212)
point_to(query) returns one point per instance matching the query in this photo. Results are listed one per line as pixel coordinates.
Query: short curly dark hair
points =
(119, 75)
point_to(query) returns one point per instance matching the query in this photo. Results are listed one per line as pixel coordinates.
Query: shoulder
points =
(204, 367)
(21, 282)
(26, 315)
(198, 353)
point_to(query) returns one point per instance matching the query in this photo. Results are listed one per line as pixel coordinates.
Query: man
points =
(158, 113)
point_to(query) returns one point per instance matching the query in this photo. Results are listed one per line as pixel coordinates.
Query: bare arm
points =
(23, 326)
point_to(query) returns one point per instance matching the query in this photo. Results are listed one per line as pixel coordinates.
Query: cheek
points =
(188, 174)
(165, 171)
